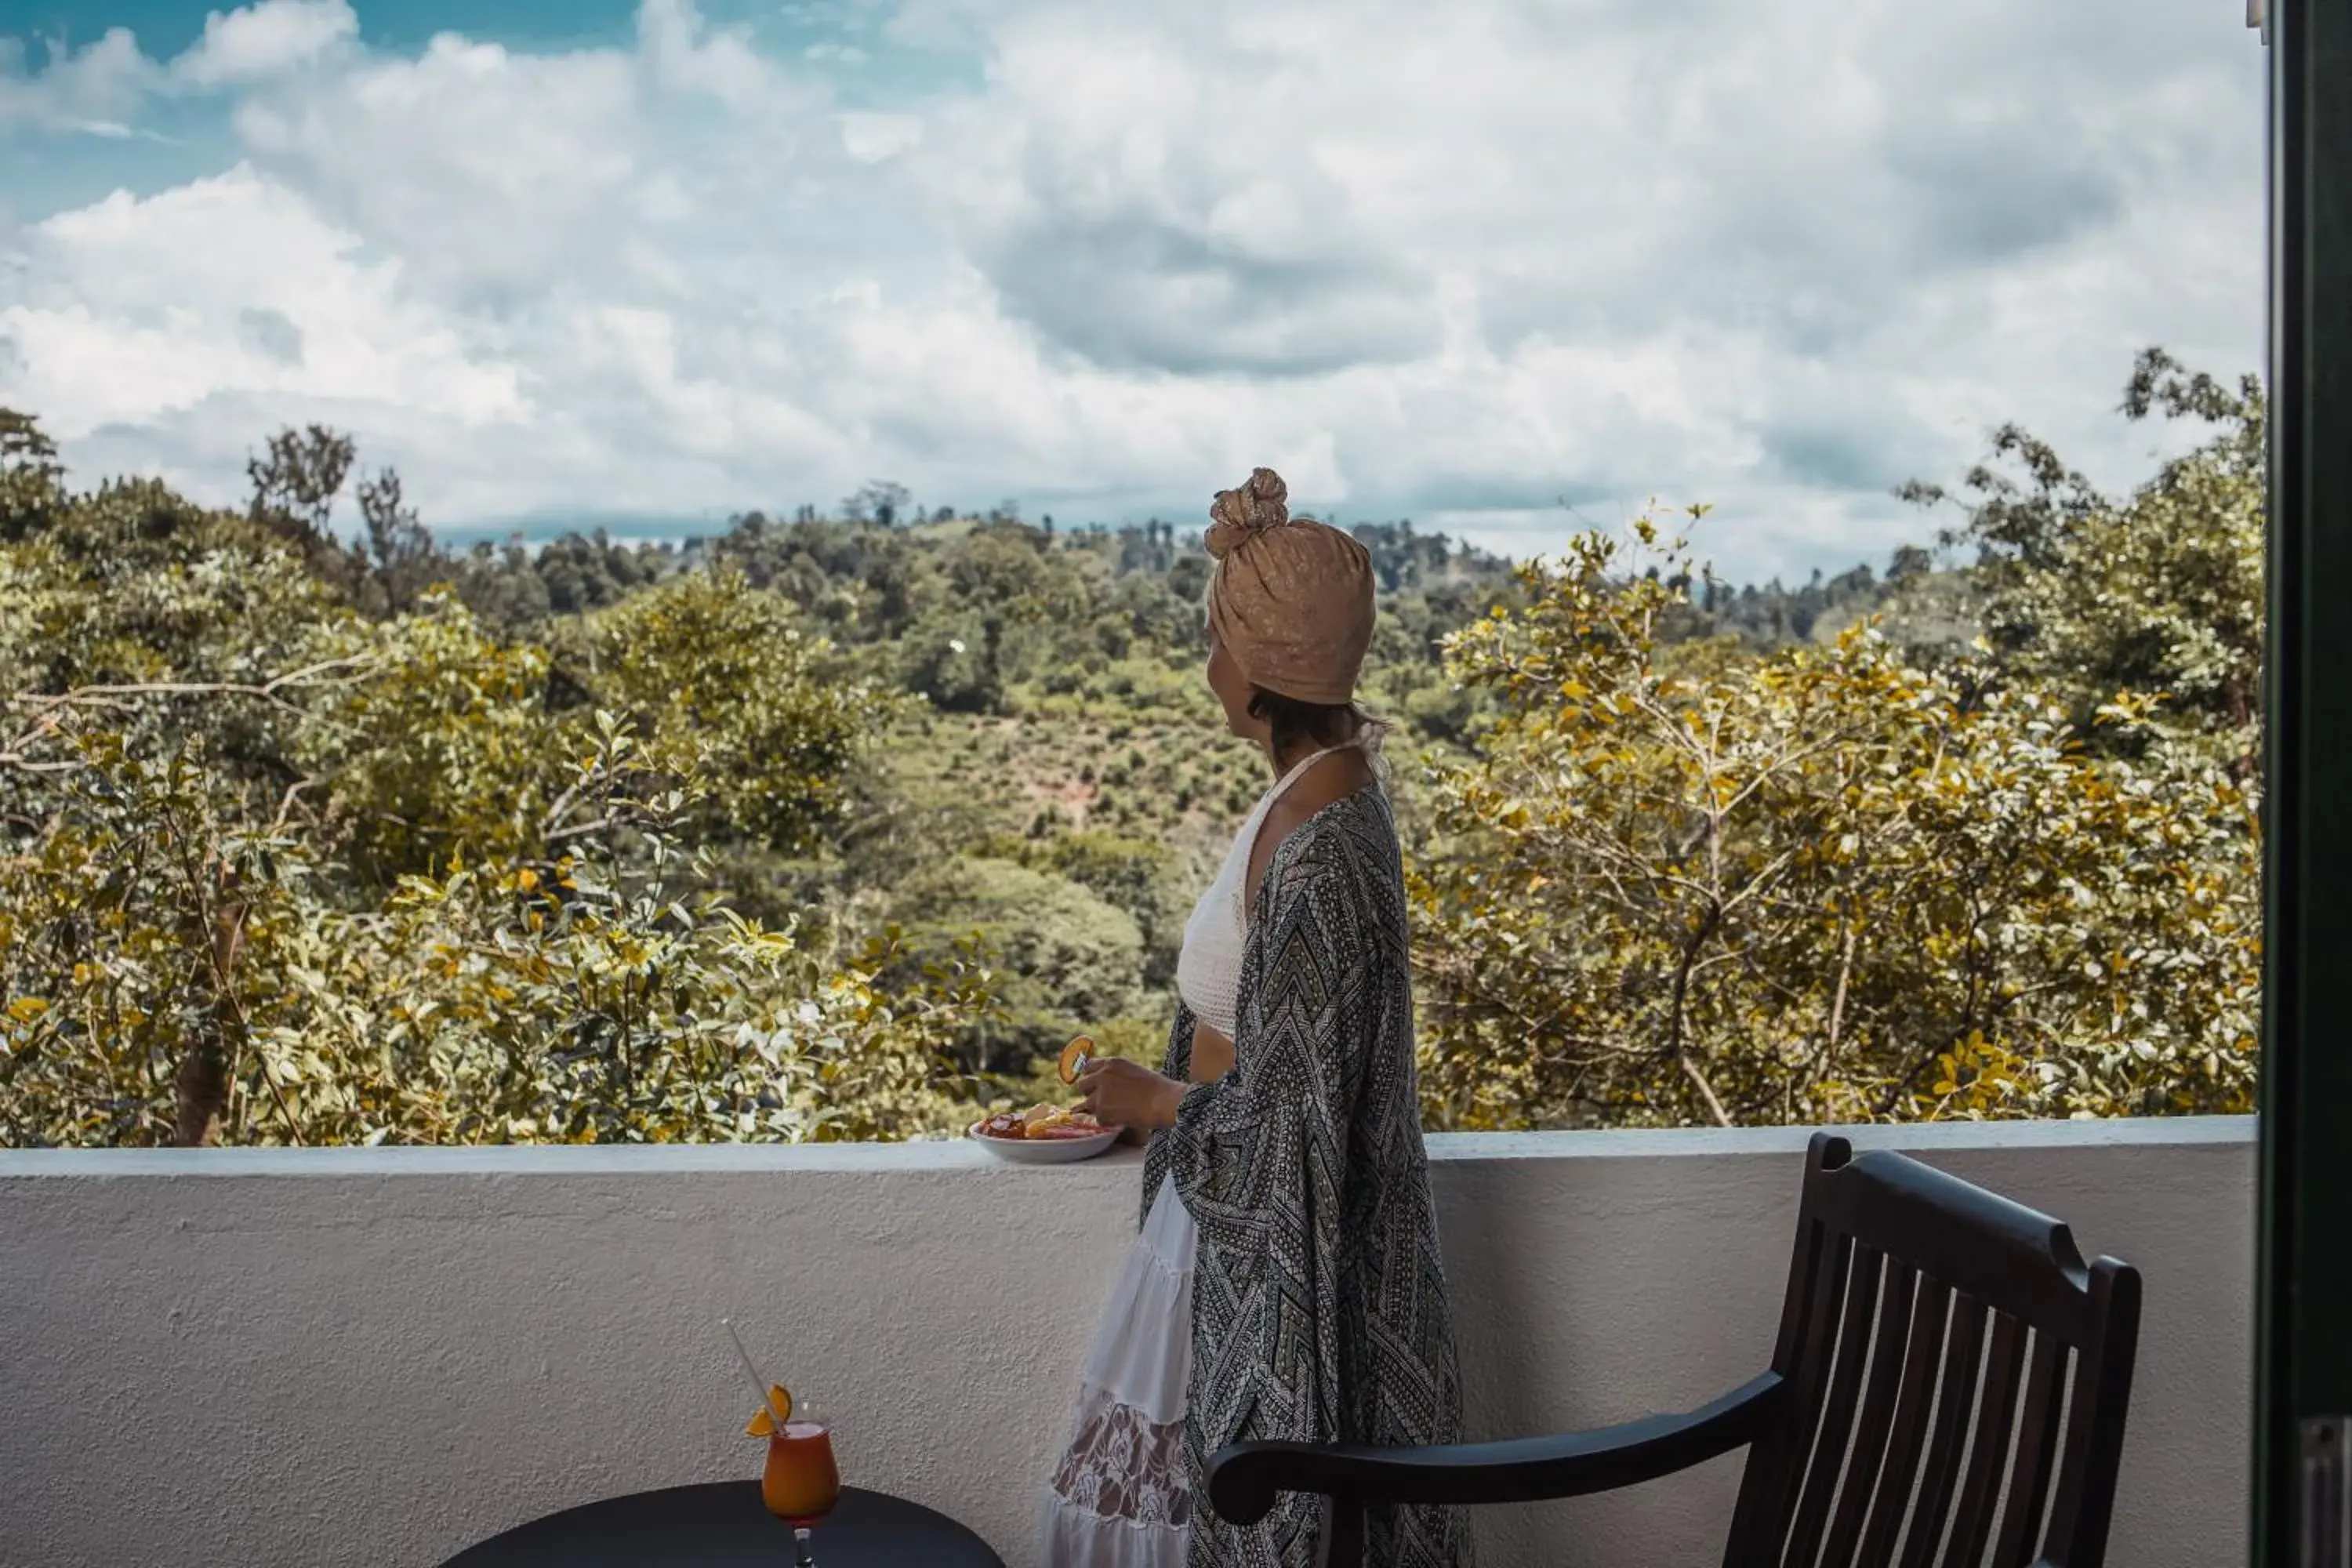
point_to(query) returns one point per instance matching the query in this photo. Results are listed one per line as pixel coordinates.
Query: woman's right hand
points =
(1127, 1094)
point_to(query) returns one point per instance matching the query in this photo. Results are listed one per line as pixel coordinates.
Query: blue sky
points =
(648, 264)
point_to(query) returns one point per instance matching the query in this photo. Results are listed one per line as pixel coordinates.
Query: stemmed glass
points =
(800, 1482)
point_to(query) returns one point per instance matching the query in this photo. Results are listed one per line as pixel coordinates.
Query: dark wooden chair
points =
(1950, 1378)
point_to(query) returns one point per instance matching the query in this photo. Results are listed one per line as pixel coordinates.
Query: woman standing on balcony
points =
(1287, 1283)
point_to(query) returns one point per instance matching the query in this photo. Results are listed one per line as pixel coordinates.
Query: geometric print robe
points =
(1319, 1309)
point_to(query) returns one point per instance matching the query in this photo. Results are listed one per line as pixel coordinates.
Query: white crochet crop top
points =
(1209, 966)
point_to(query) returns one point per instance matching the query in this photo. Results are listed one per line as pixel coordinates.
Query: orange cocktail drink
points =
(800, 1482)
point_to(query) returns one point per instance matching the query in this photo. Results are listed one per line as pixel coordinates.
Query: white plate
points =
(1043, 1151)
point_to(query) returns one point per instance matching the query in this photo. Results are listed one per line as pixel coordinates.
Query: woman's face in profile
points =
(1233, 689)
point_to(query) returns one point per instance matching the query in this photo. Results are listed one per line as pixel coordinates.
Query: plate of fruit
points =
(1044, 1135)
(1048, 1134)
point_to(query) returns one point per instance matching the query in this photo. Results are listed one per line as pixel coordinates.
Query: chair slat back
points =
(1958, 1378)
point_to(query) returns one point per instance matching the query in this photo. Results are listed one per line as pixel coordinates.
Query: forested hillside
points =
(312, 830)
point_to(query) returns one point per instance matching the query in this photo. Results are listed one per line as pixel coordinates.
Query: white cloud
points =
(682, 52)
(130, 310)
(264, 40)
(1458, 261)
(492, 173)
(870, 138)
(94, 89)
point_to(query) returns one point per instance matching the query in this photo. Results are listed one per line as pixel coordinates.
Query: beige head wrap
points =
(1291, 598)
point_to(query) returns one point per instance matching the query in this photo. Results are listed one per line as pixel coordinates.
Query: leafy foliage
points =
(277, 871)
(1069, 957)
(177, 973)
(2161, 593)
(1821, 885)
(707, 665)
(443, 754)
(311, 830)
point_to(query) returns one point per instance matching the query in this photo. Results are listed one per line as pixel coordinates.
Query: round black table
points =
(721, 1524)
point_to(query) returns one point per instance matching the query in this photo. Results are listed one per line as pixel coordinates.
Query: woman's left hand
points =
(1120, 1093)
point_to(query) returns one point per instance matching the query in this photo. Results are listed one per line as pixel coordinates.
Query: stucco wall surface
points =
(377, 1357)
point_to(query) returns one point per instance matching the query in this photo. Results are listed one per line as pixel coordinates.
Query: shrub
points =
(1818, 887)
(1063, 956)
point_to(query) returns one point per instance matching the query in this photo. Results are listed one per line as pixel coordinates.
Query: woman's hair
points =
(1290, 722)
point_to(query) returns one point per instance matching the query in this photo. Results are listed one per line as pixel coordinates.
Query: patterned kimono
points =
(1320, 1307)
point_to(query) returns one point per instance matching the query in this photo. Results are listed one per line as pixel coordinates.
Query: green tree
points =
(1819, 885)
(438, 750)
(271, 871)
(710, 664)
(32, 481)
(2160, 591)
(173, 969)
(1064, 958)
(402, 560)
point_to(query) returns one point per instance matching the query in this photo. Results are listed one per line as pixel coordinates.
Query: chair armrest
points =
(1246, 1477)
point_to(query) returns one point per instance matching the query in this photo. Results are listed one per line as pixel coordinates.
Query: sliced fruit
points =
(1075, 1056)
(779, 1411)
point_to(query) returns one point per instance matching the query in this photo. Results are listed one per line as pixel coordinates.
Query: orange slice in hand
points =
(1075, 1057)
(779, 1411)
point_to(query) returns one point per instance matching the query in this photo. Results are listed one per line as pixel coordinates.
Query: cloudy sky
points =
(567, 261)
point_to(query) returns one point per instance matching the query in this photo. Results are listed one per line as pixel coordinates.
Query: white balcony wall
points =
(360, 1357)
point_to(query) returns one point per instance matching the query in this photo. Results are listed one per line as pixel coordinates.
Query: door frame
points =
(2303, 1289)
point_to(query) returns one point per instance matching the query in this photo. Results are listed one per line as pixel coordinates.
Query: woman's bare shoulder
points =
(1343, 775)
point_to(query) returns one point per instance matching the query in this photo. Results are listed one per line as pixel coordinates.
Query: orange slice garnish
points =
(1074, 1057)
(779, 1411)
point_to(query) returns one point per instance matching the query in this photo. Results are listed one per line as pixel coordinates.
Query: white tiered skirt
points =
(1119, 1498)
